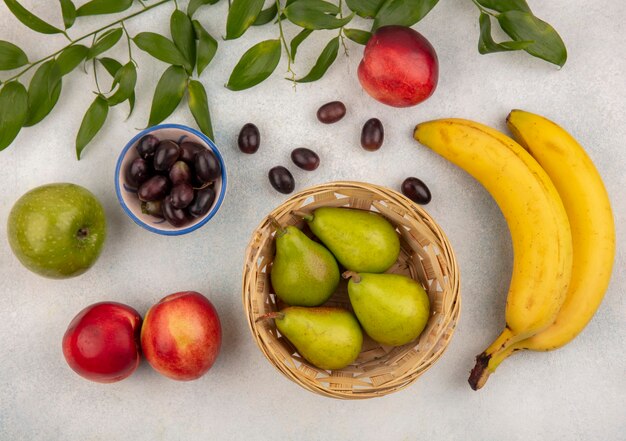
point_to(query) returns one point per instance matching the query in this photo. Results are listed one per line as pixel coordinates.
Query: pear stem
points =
(279, 228)
(304, 215)
(270, 315)
(352, 275)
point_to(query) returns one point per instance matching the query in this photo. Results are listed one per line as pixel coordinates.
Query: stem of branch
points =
(121, 20)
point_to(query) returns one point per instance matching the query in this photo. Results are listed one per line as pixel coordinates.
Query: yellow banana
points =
(591, 220)
(540, 232)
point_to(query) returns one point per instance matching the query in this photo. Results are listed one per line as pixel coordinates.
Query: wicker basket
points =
(425, 256)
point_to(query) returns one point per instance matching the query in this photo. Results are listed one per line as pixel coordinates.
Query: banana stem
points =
(270, 315)
(488, 361)
(306, 216)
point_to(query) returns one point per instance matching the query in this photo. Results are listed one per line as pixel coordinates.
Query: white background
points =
(576, 393)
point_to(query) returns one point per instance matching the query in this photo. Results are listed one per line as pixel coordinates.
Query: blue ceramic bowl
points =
(127, 196)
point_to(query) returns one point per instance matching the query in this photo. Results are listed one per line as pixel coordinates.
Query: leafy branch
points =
(191, 49)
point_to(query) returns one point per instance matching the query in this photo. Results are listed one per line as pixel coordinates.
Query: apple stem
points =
(82, 233)
(352, 275)
(306, 216)
(271, 315)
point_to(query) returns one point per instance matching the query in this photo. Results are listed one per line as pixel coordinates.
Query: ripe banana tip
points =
(480, 373)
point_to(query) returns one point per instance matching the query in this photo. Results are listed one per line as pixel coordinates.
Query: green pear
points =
(361, 240)
(328, 337)
(392, 309)
(304, 273)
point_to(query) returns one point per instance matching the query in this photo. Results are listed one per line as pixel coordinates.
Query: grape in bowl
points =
(144, 205)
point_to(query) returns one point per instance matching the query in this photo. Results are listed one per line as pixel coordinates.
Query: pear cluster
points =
(392, 309)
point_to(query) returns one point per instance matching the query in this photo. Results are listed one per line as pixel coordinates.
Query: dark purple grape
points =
(166, 154)
(181, 195)
(206, 166)
(153, 208)
(179, 173)
(249, 139)
(416, 190)
(305, 159)
(138, 172)
(147, 146)
(173, 215)
(202, 203)
(282, 179)
(188, 151)
(372, 135)
(154, 188)
(331, 112)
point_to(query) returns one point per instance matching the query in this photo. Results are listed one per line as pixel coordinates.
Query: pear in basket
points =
(327, 337)
(360, 240)
(393, 309)
(304, 273)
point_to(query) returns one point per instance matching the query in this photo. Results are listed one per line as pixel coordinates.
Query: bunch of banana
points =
(560, 219)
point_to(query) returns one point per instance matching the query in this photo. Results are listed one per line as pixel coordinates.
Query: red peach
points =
(399, 67)
(102, 342)
(181, 335)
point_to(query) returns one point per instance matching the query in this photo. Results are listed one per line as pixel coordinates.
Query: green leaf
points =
(105, 42)
(195, 4)
(160, 48)
(207, 46)
(131, 103)
(547, 44)
(241, 15)
(43, 92)
(13, 111)
(69, 13)
(184, 37)
(326, 58)
(402, 12)
(11, 56)
(98, 7)
(266, 15)
(365, 8)
(199, 106)
(93, 121)
(357, 35)
(112, 67)
(169, 91)
(486, 44)
(297, 41)
(315, 14)
(255, 65)
(71, 57)
(126, 78)
(31, 20)
(505, 5)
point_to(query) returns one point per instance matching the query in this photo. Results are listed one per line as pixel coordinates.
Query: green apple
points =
(57, 230)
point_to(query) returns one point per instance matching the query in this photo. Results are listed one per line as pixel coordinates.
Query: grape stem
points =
(76, 40)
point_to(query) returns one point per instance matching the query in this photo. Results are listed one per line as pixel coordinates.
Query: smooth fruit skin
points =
(102, 342)
(181, 335)
(327, 337)
(532, 207)
(392, 309)
(360, 240)
(304, 273)
(591, 219)
(57, 230)
(399, 67)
